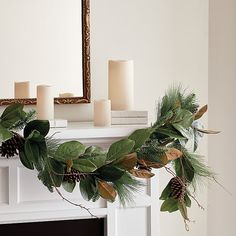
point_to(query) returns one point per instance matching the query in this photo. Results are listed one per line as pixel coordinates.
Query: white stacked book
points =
(129, 117)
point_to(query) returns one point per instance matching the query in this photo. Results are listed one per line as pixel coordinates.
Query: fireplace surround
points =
(23, 199)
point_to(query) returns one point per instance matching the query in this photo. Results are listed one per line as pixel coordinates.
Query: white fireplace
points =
(24, 199)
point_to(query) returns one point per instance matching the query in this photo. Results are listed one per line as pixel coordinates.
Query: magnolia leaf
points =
(25, 161)
(170, 132)
(42, 126)
(89, 164)
(166, 192)
(11, 109)
(183, 118)
(119, 149)
(88, 188)
(186, 132)
(140, 136)
(151, 164)
(5, 134)
(84, 165)
(11, 115)
(69, 150)
(144, 174)
(173, 153)
(183, 210)
(187, 200)
(68, 186)
(170, 205)
(46, 179)
(106, 191)
(184, 168)
(110, 173)
(31, 151)
(56, 172)
(36, 136)
(200, 112)
(205, 131)
(93, 150)
(128, 162)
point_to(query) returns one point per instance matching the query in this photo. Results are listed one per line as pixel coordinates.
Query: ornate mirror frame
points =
(85, 66)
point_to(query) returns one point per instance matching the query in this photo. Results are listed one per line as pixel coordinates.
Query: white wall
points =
(168, 41)
(222, 115)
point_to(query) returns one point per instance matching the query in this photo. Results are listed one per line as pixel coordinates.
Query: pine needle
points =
(126, 186)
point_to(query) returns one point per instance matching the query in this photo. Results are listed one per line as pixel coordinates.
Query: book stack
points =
(129, 117)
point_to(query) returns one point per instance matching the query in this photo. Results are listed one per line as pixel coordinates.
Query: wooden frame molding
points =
(85, 65)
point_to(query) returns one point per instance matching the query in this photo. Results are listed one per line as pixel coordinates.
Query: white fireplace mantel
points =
(24, 199)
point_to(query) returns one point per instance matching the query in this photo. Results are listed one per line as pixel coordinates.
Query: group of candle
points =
(120, 92)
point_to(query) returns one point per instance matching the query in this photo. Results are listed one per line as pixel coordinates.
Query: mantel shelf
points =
(86, 130)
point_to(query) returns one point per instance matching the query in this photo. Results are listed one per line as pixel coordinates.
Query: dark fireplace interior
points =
(84, 227)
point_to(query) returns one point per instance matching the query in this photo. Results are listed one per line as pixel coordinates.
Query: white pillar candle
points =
(102, 113)
(121, 84)
(22, 89)
(45, 102)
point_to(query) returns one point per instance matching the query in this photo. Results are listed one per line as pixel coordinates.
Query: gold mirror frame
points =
(85, 66)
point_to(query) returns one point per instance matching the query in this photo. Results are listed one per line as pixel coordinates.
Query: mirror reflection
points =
(41, 43)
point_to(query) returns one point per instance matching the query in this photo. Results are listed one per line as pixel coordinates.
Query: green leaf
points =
(140, 136)
(11, 115)
(69, 151)
(184, 168)
(170, 205)
(68, 186)
(25, 161)
(88, 188)
(56, 171)
(184, 118)
(119, 149)
(186, 132)
(93, 150)
(42, 126)
(84, 165)
(89, 164)
(5, 134)
(166, 192)
(170, 132)
(187, 200)
(45, 177)
(36, 136)
(31, 151)
(110, 173)
(11, 109)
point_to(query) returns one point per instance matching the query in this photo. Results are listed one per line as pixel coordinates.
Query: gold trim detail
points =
(86, 67)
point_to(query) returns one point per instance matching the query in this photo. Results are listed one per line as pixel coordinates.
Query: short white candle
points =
(121, 84)
(102, 112)
(22, 89)
(45, 102)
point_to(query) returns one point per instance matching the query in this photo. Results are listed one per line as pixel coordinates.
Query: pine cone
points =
(178, 188)
(12, 146)
(74, 176)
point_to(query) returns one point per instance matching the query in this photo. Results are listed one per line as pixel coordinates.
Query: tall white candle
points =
(45, 102)
(22, 89)
(121, 84)
(102, 112)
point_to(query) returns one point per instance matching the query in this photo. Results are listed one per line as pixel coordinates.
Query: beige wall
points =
(168, 41)
(222, 115)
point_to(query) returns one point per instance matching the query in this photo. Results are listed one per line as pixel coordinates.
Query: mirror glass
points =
(44, 42)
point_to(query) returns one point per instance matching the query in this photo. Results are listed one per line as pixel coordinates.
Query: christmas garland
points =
(170, 143)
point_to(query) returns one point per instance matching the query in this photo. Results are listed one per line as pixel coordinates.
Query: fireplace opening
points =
(83, 227)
